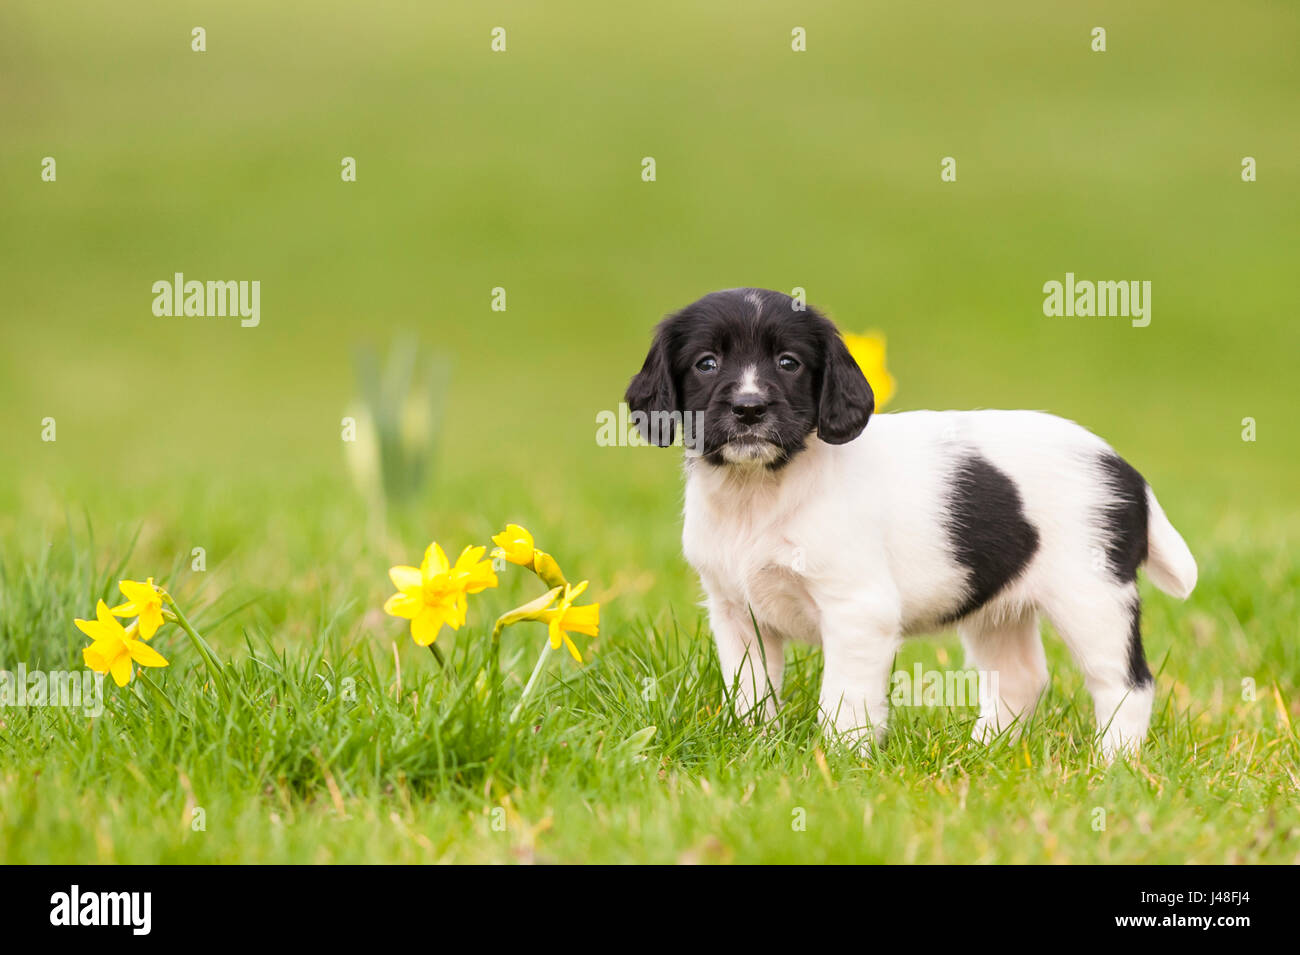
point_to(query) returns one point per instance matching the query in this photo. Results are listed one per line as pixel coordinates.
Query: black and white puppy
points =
(852, 536)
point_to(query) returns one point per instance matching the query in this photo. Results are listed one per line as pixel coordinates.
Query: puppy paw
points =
(863, 740)
(1119, 746)
(984, 731)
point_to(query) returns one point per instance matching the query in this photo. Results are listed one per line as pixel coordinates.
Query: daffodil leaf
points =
(157, 691)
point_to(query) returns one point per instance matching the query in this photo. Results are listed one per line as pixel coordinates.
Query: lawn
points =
(522, 170)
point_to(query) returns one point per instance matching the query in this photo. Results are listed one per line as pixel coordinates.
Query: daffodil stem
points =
(437, 655)
(204, 651)
(532, 680)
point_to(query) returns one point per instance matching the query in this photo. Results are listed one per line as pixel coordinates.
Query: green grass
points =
(818, 170)
(418, 763)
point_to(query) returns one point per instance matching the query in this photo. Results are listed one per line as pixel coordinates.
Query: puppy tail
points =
(1170, 563)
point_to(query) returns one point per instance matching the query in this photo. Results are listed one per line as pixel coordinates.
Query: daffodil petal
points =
(511, 550)
(572, 649)
(137, 592)
(402, 605)
(121, 669)
(469, 557)
(405, 578)
(144, 654)
(514, 544)
(149, 623)
(105, 616)
(869, 353)
(90, 628)
(435, 561)
(480, 578)
(425, 626)
(519, 535)
(94, 658)
(457, 612)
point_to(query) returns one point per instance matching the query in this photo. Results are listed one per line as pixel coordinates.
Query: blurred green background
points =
(522, 170)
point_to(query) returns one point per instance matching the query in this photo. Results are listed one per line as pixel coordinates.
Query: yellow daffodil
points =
(869, 352)
(114, 647)
(514, 544)
(143, 601)
(564, 617)
(434, 594)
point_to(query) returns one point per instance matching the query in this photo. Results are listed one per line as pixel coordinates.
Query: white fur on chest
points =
(753, 541)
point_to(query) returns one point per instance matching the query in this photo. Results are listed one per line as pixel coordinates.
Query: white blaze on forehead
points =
(753, 299)
(749, 382)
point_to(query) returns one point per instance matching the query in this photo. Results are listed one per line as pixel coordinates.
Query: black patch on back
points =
(1139, 674)
(988, 530)
(1124, 518)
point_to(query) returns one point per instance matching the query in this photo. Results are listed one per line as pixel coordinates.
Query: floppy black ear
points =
(653, 392)
(847, 400)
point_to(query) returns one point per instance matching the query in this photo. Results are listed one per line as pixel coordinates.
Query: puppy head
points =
(750, 377)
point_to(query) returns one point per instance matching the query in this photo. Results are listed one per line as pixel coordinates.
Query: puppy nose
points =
(749, 410)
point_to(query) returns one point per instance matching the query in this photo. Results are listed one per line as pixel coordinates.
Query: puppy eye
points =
(788, 363)
(707, 363)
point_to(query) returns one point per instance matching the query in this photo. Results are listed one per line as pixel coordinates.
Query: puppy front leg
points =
(752, 665)
(858, 657)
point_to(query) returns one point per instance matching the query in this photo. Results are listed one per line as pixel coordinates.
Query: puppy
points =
(809, 519)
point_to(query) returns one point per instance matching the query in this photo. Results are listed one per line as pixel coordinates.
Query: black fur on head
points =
(749, 374)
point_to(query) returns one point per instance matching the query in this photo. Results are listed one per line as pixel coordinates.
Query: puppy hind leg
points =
(1102, 628)
(1008, 654)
